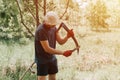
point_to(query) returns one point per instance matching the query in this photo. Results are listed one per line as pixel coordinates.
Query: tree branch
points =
(65, 10)
(44, 7)
(40, 6)
(30, 11)
(22, 21)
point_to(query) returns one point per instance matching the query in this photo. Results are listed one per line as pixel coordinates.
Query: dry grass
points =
(98, 58)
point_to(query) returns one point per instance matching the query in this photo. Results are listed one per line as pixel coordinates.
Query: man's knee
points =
(52, 77)
(41, 77)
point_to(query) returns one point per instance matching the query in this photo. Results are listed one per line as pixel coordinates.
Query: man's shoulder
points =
(39, 28)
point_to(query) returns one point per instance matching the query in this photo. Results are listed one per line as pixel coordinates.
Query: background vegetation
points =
(96, 26)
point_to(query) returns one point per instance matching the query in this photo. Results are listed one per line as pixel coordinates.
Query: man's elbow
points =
(60, 42)
(48, 50)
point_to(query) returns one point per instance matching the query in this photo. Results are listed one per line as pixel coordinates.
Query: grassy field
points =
(98, 59)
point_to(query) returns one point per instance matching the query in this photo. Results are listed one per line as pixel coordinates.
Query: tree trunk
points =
(44, 7)
(37, 15)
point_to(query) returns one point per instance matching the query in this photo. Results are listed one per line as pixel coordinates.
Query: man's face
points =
(49, 26)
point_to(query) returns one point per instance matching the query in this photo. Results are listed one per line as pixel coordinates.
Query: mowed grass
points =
(98, 59)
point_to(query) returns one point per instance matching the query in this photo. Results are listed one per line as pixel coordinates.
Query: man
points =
(45, 43)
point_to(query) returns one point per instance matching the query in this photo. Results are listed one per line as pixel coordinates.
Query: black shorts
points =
(47, 68)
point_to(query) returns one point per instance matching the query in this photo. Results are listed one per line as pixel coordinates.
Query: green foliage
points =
(28, 13)
(9, 24)
(11, 29)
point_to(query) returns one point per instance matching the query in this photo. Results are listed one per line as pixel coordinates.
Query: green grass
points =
(14, 60)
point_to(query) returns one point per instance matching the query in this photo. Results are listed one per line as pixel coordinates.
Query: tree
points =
(114, 11)
(28, 12)
(38, 6)
(98, 15)
(9, 24)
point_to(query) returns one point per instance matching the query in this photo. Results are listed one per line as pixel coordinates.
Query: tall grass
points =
(98, 59)
(14, 60)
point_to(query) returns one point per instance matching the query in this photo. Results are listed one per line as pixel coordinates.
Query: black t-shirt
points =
(43, 33)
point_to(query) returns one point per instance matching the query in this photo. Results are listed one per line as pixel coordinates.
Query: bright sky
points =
(78, 0)
(82, 4)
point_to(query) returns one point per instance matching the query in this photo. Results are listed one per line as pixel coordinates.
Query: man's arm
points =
(50, 50)
(61, 40)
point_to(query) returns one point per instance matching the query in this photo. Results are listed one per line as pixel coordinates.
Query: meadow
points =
(98, 59)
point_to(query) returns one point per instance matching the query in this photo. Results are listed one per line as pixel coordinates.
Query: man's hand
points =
(70, 33)
(67, 53)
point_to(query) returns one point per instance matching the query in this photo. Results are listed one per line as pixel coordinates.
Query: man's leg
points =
(41, 78)
(52, 77)
(53, 69)
(42, 71)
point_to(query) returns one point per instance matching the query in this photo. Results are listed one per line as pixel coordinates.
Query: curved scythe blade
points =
(74, 39)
